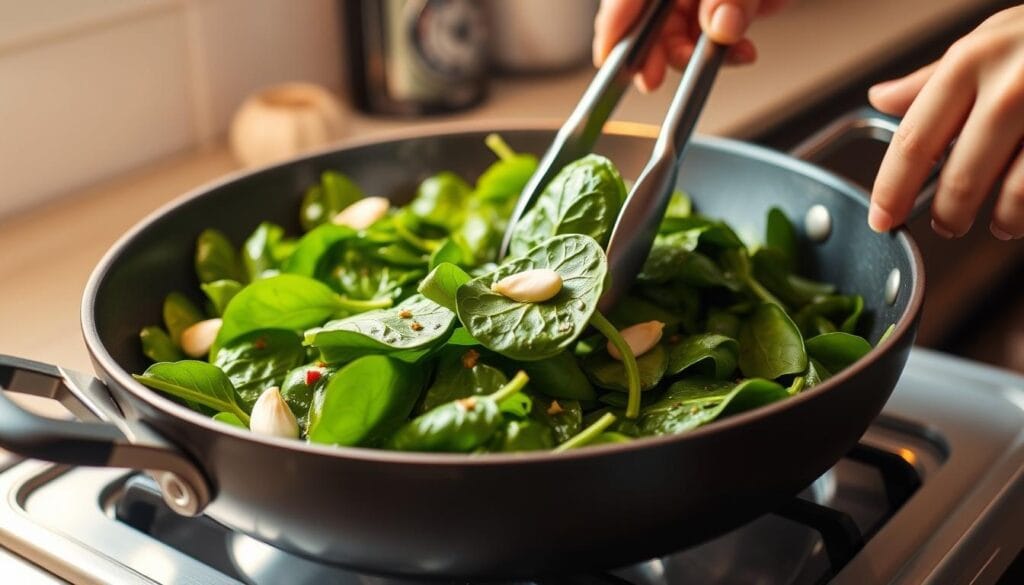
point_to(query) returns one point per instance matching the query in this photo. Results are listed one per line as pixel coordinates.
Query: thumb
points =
(726, 21)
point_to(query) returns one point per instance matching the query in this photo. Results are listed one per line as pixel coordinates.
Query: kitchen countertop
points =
(49, 251)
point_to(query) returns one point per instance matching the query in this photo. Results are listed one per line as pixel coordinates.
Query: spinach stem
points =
(797, 386)
(588, 434)
(499, 147)
(514, 385)
(422, 244)
(357, 306)
(193, 396)
(628, 359)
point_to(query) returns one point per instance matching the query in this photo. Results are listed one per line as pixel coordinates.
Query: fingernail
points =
(880, 89)
(998, 233)
(942, 231)
(879, 219)
(641, 84)
(728, 23)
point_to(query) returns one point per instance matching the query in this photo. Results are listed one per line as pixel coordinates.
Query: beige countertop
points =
(49, 252)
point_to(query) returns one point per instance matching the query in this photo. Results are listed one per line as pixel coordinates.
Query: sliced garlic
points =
(271, 416)
(284, 120)
(197, 339)
(363, 213)
(640, 338)
(532, 286)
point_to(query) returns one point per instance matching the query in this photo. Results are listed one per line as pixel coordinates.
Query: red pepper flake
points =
(260, 343)
(467, 403)
(674, 339)
(405, 314)
(416, 326)
(312, 376)
(555, 408)
(470, 359)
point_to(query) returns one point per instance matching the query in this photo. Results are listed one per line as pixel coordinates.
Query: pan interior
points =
(726, 179)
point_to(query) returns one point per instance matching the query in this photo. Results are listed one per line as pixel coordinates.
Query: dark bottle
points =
(415, 56)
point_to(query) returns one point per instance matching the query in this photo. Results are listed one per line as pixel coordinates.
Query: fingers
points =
(1008, 216)
(927, 128)
(895, 96)
(989, 140)
(613, 19)
(726, 21)
(653, 71)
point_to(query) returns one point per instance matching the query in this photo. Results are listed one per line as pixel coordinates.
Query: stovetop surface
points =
(938, 508)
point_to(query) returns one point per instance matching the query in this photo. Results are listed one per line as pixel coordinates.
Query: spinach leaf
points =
(711, 234)
(781, 236)
(356, 274)
(158, 346)
(364, 402)
(451, 251)
(264, 251)
(849, 324)
(504, 180)
(816, 317)
(672, 259)
(415, 324)
(441, 200)
(837, 351)
(589, 434)
(230, 419)
(610, 437)
(769, 269)
(258, 360)
(300, 386)
(516, 406)
(559, 376)
(770, 344)
(723, 322)
(631, 310)
(460, 426)
(564, 417)
(179, 314)
(286, 301)
(736, 265)
(610, 374)
(197, 382)
(710, 354)
(816, 373)
(533, 331)
(583, 198)
(442, 283)
(220, 293)
(690, 403)
(313, 247)
(216, 258)
(522, 435)
(322, 202)
(461, 375)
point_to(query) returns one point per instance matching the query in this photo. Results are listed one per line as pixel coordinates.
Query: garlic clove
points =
(271, 416)
(531, 286)
(363, 213)
(198, 338)
(640, 338)
(282, 121)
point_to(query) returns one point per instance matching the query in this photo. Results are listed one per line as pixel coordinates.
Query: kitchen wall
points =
(92, 88)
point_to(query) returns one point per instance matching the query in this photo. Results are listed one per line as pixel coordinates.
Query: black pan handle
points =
(865, 122)
(108, 440)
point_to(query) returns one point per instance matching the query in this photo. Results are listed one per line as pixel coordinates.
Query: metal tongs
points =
(638, 221)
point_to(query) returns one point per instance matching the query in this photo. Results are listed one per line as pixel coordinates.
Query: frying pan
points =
(490, 516)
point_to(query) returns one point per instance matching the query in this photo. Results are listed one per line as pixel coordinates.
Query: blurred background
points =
(111, 108)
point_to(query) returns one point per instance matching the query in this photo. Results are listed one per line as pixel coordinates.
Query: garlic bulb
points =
(640, 338)
(284, 120)
(197, 339)
(271, 416)
(531, 286)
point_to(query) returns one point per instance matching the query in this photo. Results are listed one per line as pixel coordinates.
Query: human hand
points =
(725, 21)
(975, 94)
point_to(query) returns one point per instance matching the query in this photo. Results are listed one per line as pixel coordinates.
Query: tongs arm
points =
(577, 136)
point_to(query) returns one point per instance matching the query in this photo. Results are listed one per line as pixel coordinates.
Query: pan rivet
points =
(177, 494)
(892, 286)
(818, 223)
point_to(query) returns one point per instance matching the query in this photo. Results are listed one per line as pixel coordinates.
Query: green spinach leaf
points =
(441, 200)
(260, 359)
(179, 314)
(837, 351)
(610, 374)
(322, 202)
(415, 324)
(460, 374)
(522, 435)
(770, 344)
(158, 346)
(533, 331)
(265, 250)
(308, 257)
(220, 293)
(216, 258)
(583, 198)
(564, 417)
(781, 236)
(442, 283)
(690, 403)
(709, 354)
(364, 402)
(559, 376)
(198, 382)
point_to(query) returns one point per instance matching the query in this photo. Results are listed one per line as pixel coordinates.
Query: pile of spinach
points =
(392, 336)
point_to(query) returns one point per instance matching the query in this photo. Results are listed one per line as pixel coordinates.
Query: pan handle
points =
(865, 122)
(106, 441)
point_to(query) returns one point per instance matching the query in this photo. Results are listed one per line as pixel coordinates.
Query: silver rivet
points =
(892, 286)
(818, 223)
(178, 495)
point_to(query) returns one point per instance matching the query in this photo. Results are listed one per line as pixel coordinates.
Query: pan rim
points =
(108, 365)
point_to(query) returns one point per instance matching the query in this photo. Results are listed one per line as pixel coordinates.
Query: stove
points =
(934, 493)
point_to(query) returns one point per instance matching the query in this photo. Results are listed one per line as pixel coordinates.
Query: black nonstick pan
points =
(487, 516)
